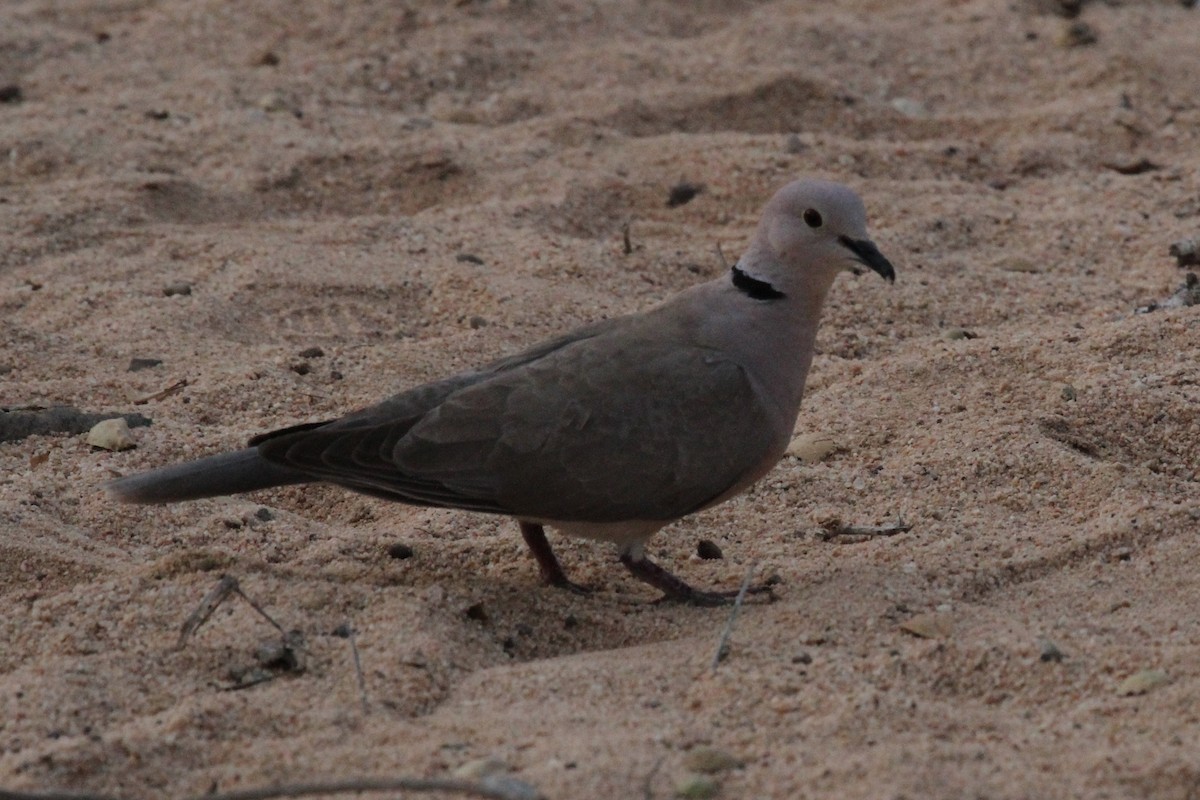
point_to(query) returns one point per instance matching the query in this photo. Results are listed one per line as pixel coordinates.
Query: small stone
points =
(312, 352)
(1130, 165)
(1048, 652)
(480, 768)
(469, 258)
(139, 364)
(708, 550)
(300, 368)
(111, 434)
(1068, 8)
(929, 626)
(811, 448)
(182, 288)
(273, 102)
(1019, 264)
(803, 657)
(1186, 252)
(264, 514)
(267, 59)
(711, 760)
(958, 334)
(10, 93)
(477, 612)
(1078, 34)
(399, 551)
(1068, 393)
(697, 787)
(1142, 682)
(476, 322)
(913, 109)
(683, 193)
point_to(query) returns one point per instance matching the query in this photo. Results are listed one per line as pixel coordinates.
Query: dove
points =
(609, 432)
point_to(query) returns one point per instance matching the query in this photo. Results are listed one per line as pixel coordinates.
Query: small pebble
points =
(1186, 252)
(272, 102)
(10, 93)
(481, 768)
(711, 760)
(477, 612)
(111, 434)
(469, 258)
(811, 448)
(312, 352)
(1078, 34)
(182, 288)
(683, 193)
(139, 364)
(1068, 393)
(803, 657)
(697, 787)
(264, 514)
(476, 322)
(399, 551)
(929, 626)
(1048, 652)
(1142, 682)
(957, 334)
(708, 550)
(913, 109)
(794, 144)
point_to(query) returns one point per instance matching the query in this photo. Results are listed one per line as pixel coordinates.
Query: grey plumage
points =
(609, 432)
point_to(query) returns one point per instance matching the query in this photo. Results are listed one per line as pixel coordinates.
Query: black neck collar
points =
(756, 289)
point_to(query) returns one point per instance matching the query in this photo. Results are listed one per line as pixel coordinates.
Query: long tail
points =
(227, 473)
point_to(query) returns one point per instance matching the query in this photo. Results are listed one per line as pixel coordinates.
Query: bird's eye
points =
(812, 217)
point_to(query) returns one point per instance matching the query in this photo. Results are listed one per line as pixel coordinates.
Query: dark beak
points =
(866, 253)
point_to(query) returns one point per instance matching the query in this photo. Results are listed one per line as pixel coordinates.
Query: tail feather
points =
(227, 473)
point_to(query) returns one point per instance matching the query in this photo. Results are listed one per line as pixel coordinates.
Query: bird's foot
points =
(552, 571)
(676, 590)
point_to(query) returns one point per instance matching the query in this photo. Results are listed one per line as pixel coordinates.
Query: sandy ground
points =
(417, 187)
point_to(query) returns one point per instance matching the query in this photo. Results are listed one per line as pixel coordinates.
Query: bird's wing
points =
(617, 429)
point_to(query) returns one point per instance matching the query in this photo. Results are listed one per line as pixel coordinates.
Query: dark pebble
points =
(265, 514)
(400, 551)
(477, 612)
(139, 364)
(469, 258)
(683, 193)
(708, 550)
(10, 93)
(301, 368)
(312, 352)
(179, 287)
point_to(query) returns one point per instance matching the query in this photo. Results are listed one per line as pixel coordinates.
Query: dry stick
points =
(345, 631)
(723, 644)
(721, 255)
(495, 790)
(899, 526)
(165, 393)
(226, 586)
(647, 793)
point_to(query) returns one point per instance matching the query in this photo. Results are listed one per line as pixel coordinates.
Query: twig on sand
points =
(177, 386)
(863, 531)
(499, 787)
(345, 631)
(723, 644)
(226, 586)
